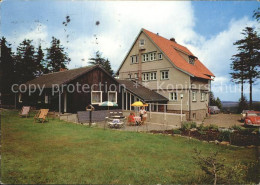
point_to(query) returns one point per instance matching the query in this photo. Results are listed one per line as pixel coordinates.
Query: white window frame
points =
(194, 96)
(173, 96)
(145, 77)
(141, 42)
(163, 75)
(134, 59)
(115, 96)
(152, 56)
(145, 57)
(136, 75)
(153, 75)
(20, 98)
(46, 99)
(92, 97)
(160, 56)
(203, 96)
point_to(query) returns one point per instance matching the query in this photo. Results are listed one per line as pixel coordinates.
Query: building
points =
(171, 70)
(71, 90)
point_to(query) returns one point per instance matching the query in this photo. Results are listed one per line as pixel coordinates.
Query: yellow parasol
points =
(145, 105)
(137, 104)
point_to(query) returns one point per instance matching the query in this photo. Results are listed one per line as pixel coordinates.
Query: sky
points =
(208, 29)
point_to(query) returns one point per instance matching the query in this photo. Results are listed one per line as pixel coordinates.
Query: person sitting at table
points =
(142, 112)
(131, 119)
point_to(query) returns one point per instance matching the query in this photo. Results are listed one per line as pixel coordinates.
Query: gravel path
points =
(224, 120)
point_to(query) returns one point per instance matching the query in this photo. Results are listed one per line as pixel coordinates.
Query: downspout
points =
(59, 102)
(189, 99)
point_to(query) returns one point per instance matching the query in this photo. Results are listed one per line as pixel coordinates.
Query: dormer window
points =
(191, 60)
(141, 42)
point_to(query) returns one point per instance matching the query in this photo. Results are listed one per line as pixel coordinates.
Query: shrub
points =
(224, 136)
(213, 127)
(176, 131)
(203, 128)
(193, 125)
(246, 131)
(237, 127)
(188, 125)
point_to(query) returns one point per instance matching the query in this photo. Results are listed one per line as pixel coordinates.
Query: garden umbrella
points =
(137, 104)
(108, 104)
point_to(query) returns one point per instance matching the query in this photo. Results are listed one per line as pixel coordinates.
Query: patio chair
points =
(42, 115)
(25, 111)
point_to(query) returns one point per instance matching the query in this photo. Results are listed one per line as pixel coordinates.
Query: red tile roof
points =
(169, 48)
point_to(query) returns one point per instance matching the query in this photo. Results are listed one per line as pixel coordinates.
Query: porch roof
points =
(142, 92)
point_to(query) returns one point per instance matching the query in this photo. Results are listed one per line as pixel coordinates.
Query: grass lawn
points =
(66, 153)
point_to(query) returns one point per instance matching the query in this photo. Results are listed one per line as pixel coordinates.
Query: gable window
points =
(160, 56)
(203, 96)
(153, 76)
(141, 42)
(112, 96)
(194, 94)
(152, 56)
(134, 59)
(164, 75)
(145, 76)
(96, 97)
(173, 96)
(145, 57)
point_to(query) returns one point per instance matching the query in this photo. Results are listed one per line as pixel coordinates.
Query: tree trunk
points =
(250, 103)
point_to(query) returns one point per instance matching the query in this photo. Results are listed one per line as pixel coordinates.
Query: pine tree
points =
(57, 58)
(6, 66)
(25, 64)
(239, 71)
(39, 59)
(104, 63)
(247, 60)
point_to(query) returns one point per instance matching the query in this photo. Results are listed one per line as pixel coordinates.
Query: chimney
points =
(157, 33)
(173, 40)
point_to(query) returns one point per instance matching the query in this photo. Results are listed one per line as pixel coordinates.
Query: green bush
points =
(213, 127)
(176, 131)
(188, 125)
(247, 131)
(193, 125)
(224, 136)
(237, 127)
(202, 132)
(203, 128)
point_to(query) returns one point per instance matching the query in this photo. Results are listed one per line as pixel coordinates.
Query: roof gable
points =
(169, 48)
(62, 77)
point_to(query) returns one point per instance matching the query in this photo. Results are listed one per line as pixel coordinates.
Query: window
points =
(112, 96)
(129, 76)
(20, 98)
(141, 42)
(96, 97)
(203, 95)
(134, 59)
(136, 75)
(164, 75)
(152, 56)
(173, 96)
(191, 60)
(194, 96)
(160, 56)
(153, 76)
(145, 57)
(145, 76)
(46, 99)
